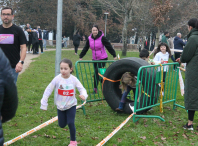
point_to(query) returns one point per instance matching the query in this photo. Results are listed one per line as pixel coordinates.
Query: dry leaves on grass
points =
(35, 136)
(184, 135)
(163, 138)
(54, 137)
(94, 138)
(119, 140)
(143, 137)
(46, 135)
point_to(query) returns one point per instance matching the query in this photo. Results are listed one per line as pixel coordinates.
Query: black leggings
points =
(96, 76)
(67, 117)
(191, 114)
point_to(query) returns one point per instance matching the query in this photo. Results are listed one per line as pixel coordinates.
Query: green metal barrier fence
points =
(148, 82)
(85, 72)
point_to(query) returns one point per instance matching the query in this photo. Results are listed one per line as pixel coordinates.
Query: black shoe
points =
(190, 127)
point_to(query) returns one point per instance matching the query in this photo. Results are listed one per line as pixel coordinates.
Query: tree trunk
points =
(157, 38)
(124, 36)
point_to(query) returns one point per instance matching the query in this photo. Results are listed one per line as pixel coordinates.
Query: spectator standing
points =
(76, 42)
(8, 93)
(190, 56)
(165, 38)
(40, 43)
(45, 37)
(152, 45)
(146, 45)
(65, 41)
(27, 38)
(178, 44)
(29, 30)
(14, 46)
(35, 41)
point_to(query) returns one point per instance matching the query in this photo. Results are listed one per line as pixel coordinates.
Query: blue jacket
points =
(8, 93)
(178, 43)
(45, 34)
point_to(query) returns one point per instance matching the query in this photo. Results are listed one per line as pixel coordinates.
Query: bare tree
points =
(159, 13)
(123, 9)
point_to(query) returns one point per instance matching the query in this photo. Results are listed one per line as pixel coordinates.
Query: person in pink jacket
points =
(98, 42)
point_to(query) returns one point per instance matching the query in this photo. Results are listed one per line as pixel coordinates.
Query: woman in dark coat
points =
(76, 41)
(190, 56)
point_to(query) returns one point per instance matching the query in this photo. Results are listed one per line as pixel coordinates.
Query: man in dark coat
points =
(35, 41)
(178, 44)
(190, 56)
(40, 43)
(146, 45)
(76, 41)
(8, 93)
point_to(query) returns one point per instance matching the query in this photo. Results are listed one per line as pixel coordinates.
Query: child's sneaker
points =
(189, 127)
(73, 143)
(95, 90)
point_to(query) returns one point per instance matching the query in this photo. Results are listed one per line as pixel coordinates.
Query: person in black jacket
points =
(76, 42)
(40, 43)
(8, 93)
(35, 41)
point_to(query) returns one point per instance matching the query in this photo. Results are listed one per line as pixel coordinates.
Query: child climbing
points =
(128, 83)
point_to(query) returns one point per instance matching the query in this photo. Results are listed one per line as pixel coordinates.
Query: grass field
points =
(99, 121)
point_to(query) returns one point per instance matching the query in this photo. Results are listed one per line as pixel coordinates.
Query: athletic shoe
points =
(41, 52)
(73, 143)
(27, 52)
(189, 127)
(95, 90)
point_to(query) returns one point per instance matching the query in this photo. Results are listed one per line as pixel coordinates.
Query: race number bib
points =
(66, 90)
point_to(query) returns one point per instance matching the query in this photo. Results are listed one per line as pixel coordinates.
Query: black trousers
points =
(96, 76)
(191, 114)
(40, 43)
(76, 48)
(29, 45)
(35, 48)
(177, 55)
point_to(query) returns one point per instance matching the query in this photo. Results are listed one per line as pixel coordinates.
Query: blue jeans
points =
(65, 44)
(67, 117)
(44, 43)
(125, 93)
(15, 75)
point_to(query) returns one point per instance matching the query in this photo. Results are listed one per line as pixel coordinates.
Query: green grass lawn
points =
(100, 120)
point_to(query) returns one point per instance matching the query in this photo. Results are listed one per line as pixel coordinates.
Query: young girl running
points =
(65, 100)
(161, 55)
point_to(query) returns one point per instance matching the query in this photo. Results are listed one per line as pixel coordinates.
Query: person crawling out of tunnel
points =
(128, 83)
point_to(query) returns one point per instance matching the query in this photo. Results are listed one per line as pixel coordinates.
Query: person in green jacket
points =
(190, 56)
(165, 38)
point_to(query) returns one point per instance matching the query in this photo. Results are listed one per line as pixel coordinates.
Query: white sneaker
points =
(27, 52)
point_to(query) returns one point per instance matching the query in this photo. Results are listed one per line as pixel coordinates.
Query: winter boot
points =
(121, 107)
